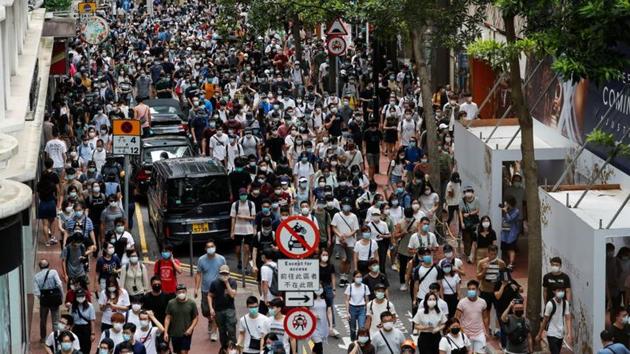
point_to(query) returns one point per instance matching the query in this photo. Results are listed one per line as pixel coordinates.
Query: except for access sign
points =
(299, 298)
(297, 237)
(300, 323)
(298, 275)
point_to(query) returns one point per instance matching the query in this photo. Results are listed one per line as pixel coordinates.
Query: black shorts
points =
(508, 246)
(181, 343)
(249, 239)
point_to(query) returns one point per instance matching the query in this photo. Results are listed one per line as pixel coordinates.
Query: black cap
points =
(380, 286)
(180, 286)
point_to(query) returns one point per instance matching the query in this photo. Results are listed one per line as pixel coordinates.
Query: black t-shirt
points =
(96, 205)
(274, 146)
(372, 282)
(373, 141)
(509, 294)
(484, 242)
(335, 128)
(239, 180)
(325, 273)
(550, 279)
(157, 304)
(221, 300)
(620, 335)
(47, 186)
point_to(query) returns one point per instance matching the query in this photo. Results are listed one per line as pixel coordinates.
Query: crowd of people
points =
(352, 159)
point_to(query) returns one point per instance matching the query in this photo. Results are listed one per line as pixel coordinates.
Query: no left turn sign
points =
(297, 237)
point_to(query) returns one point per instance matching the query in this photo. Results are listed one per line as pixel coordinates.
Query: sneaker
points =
(214, 336)
(403, 287)
(343, 283)
(335, 333)
(415, 332)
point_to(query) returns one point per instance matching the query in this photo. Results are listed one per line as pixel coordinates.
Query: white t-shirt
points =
(378, 228)
(219, 146)
(432, 318)
(346, 224)
(556, 322)
(441, 304)
(55, 149)
(277, 326)
(457, 193)
(471, 110)
(417, 241)
(456, 263)
(252, 327)
(51, 341)
(374, 310)
(456, 342)
(243, 227)
(431, 278)
(266, 274)
(357, 294)
(116, 337)
(365, 252)
(450, 284)
(147, 338)
(383, 340)
(123, 300)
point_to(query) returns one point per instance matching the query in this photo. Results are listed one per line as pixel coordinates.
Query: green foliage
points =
(606, 139)
(58, 5)
(498, 54)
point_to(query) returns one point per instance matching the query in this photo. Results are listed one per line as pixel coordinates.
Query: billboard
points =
(576, 108)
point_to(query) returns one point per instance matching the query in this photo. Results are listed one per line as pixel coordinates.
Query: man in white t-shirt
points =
(243, 213)
(426, 275)
(377, 306)
(387, 339)
(56, 149)
(345, 226)
(65, 324)
(423, 238)
(217, 145)
(469, 107)
(148, 331)
(266, 279)
(252, 328)
(557, 321)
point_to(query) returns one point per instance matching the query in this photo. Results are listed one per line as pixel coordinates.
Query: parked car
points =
(167, 117)
(152, 150)
(189, 195)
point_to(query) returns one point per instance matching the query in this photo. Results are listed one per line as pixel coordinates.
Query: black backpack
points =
(519, 335)
(553, 311)
(273, 289)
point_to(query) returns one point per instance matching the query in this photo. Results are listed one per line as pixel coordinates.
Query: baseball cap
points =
(180, 286)
(242, 191)
(224, 269)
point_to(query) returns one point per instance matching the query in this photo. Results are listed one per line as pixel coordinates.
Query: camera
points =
(501, 205)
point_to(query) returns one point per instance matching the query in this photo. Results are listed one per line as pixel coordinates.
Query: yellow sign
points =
(87, 8)
(126, 127)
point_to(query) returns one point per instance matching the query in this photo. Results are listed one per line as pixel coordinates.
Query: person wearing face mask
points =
(423, 238)
(221, 305)
(365, 251)
(66, 343)
(110, 214)
(451, 112)
(429, 320)
(356, 298)
(450, 283)
(107, 265)
(252, 328)
(471, 311)
(468, 219)
(323, 219)
(488, 273)
(333, 121)
(517, 190)
(53, 340)
(181, 319)
(106, 346)
(387, 338)
(619, 327)
(557, 323)
(556, 276)
(510, 229)
(324, 315)
(99, 155)
(208, 266)
(454, 341)
(49, 289)
(130, 345)
(302, 204)
(112, 300)
(469, 107)
(167, 268)
(275, 323)
(148, 330)
(482, 239)
(609, 345)
(134, 277)
(374, 277)
(156, 300)
(425, 274)
(362, 345)
(378, 305)
(74, 258)
(115, 332)
(345, 225)
(122, 240)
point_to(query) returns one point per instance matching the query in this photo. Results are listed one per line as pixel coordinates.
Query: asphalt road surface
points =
(149, 245)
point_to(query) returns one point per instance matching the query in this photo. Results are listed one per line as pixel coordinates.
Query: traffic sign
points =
(299, 298)
(298, 274)
(337, 28)
(126, 145)
(297, 237)
(87, 8)
(300, 323)
(336, 45)
(126, 127)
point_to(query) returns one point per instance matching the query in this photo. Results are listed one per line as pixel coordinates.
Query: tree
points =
(428, 25)
(583, 38)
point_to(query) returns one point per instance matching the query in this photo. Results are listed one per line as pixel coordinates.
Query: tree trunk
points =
(296, 28)
(530, 169)
(429, 120)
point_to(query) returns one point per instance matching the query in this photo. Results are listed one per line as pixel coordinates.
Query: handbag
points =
(49, 297)
(254, 343)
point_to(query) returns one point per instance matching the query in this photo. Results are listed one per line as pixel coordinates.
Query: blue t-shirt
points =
(615, 348)
(209, 269)
(106, 268)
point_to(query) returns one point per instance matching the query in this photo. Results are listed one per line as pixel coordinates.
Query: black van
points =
(189, 194)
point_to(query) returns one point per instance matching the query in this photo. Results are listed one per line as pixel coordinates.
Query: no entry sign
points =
(297, 237)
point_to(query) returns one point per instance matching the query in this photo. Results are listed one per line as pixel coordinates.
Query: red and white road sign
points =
(337, 28)
(300, 323)
(297, 237)
(336, 46)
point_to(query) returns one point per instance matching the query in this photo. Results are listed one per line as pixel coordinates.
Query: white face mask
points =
(133, 259)
(144, 323)
(388, 326)
(485, 224)
(555, 269)
(136, 307)
(324, 258)
(181, 296)
(431, 303)
(118, 326)
(81, 299)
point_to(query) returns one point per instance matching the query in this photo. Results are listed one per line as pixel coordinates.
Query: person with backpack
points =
(517, 329)
(557, 324)
(83, 314)
(148, 331)
(425, 274)
(49, 289)
(377, 306)
(66, 343)
(73, 258)
(53, 340)
(134, 277)
(611, 347)
(115, 332)
(454, 340)
(365, 250)
(243, 213)
(269, 280)
(468, 219)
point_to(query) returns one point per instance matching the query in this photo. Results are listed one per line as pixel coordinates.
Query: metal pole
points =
(242, 262)
(190, 245)
(583, 146)
(601, 169)
(126, 189)
(507, 111)
(623, 205)
(337, 76)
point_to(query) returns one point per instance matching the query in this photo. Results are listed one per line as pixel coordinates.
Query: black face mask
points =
(518, 313)
(455, 330)
(156, 287)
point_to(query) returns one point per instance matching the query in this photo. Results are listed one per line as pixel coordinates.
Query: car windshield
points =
(187, 192)
(163, 110)
(154, 154)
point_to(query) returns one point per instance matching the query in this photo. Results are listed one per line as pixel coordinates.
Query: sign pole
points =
(243, 265)
(190, 245)
(126, 191)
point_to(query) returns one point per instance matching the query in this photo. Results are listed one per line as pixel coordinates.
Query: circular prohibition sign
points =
(300, 323)
(297, 237)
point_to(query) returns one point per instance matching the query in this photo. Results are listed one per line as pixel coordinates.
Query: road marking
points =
(143, 239)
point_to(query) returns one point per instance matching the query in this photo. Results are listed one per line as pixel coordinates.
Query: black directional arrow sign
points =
(299, 298)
